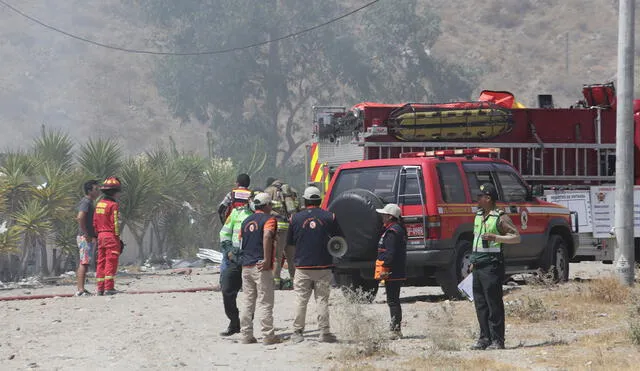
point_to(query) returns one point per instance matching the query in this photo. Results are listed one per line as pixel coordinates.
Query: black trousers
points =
(230, 285)
(487, 296)
(393, 300)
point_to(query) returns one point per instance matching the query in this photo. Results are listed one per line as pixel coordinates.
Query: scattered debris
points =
(185, 271)
(210, 254)
(68, 274)
(188, 263)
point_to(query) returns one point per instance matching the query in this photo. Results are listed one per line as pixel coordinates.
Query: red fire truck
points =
(561, 152)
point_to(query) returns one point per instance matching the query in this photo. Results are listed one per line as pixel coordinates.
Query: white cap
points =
(261, 199)
(390, 209)
(312, 193)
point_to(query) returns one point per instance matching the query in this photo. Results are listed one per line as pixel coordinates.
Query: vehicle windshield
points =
(382, 181)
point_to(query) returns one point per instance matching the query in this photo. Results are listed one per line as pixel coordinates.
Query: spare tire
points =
(360, 223)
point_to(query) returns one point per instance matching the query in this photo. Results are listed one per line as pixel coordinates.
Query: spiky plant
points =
(100, 158)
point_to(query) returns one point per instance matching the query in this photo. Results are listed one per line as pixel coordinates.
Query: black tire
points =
(557, 258)
(360, 224)
(352, 282)
(449, 277)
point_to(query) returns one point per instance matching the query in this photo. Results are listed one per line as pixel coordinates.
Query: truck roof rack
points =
(452, 152)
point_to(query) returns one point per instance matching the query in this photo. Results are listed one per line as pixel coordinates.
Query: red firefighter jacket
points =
(105, 218)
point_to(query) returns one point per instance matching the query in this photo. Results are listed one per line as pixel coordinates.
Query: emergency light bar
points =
(451, 152)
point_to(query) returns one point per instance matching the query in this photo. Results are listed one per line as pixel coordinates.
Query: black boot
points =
(481, 344)
(233, 328)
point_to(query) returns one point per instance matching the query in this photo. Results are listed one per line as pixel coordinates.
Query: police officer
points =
(491, 229)
(231, 276)
(391, 263)
(258, 243)
(309, 231)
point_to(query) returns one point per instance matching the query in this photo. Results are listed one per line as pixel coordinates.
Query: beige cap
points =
(390, 209)
(312, 193)
(261, 199)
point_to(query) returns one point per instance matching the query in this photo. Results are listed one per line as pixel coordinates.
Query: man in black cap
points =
(491, 229)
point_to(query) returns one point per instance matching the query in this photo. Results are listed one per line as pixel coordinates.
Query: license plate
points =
(414, 230)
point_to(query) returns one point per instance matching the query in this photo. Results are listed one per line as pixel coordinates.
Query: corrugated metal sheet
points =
(339, 152)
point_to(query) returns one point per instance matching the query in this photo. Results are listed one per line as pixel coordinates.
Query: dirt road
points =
(180, 330)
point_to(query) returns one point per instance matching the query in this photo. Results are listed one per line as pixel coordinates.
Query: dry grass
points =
(600, 351)
(365, 333)
(541, 278)
(607, 290)
(439, 361)
(634, 319)
(529, 309)
(444, 336)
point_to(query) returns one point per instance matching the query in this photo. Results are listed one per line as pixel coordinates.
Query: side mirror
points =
(536, 191)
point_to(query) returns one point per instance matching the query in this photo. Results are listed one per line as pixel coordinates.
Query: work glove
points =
(381, 271)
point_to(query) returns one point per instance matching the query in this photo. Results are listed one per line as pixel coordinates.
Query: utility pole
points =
(566, 53)
(624, 204)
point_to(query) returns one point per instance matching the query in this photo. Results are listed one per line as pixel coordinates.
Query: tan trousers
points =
(288, 251)
(257, 286)
(317, 281)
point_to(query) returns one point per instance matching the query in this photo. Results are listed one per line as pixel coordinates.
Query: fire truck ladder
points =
(413, 172)
(544, 162)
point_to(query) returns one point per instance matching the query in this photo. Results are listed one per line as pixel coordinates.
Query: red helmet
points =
(111, 183)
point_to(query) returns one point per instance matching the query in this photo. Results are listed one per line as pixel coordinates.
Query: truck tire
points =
(352, 282)
(558, 258)
(449, 277)
(360, 224)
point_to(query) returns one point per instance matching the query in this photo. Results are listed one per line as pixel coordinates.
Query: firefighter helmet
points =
(111, 182)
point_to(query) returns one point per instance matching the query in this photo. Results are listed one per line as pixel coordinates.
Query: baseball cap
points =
(390, 209)
(261, 199)
(312, 193)
(490, 190)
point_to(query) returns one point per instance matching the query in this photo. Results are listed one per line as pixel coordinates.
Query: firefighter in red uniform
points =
(105, 222)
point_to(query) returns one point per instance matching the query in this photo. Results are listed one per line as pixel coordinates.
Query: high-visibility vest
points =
(482, 225)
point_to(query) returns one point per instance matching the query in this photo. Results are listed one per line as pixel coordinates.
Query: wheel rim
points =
(560, 263)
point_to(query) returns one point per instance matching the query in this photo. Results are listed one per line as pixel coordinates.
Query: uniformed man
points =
(258, 244)
(285, 204)
(491, 229)
(310, 231)
(391, 263)
(237, 197)
(231, 276)
(107, 225)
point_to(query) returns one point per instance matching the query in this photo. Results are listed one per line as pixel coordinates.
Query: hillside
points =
(520, 45)
(524, 45)
(86, 90)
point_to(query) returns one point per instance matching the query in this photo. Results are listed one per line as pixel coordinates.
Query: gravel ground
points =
(180, 330)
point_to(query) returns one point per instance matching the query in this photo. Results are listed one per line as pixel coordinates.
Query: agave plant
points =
(32, 222)
(9, 239)
(100, 158)
(139, 183)
(55, 148)
(16, 178)
(64, 238)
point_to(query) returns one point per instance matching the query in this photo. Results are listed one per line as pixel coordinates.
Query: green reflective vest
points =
(231, 229)
(486, 251)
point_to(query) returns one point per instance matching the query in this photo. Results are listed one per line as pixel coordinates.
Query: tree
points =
(265, 93)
